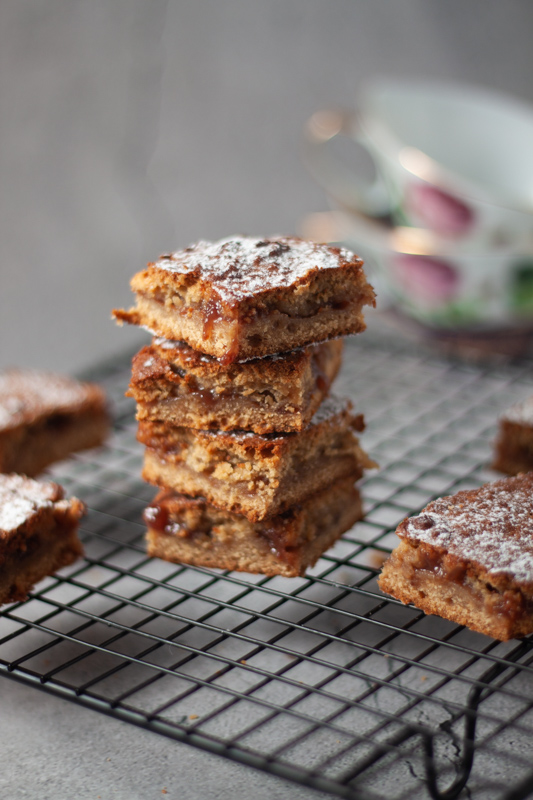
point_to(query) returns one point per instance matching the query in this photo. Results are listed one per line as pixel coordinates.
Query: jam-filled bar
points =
(252, 474)
(45, 417)
(38, 533)
(191, 531)
(469, 558)
(513, 449)
(175, 384)
(245, 297)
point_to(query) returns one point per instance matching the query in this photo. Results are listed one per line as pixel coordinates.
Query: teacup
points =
(434, 282)
(455, 160)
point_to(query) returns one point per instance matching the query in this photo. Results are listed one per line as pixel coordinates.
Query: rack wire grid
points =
(322, 680)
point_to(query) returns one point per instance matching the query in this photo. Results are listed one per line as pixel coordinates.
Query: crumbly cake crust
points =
(175, 384)
(38, 533)
(251, 474)
(513, 448)
(245, 297)
(186, 530)
(45, 416)
(469, 559)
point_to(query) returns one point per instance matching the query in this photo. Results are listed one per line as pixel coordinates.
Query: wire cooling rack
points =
(321, 680)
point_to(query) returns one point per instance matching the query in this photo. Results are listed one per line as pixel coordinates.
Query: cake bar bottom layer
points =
(471, 602)
(190, 531)
(45, 555)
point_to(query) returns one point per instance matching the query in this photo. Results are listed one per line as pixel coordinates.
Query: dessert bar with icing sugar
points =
(45, 417)
(38, 533)
(245, 297)
(469, 559)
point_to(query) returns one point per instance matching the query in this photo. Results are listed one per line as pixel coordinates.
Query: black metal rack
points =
(321, 680)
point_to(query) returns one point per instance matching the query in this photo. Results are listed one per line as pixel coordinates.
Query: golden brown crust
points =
(253, 337)
(335, 415)
(241, 303)
(247, 270)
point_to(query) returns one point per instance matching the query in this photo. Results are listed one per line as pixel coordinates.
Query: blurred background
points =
(130, 128)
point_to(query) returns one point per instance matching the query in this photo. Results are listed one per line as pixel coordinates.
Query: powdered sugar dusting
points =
(241, 267)
(239, 436)
(27, 394)
(521, 412)
(183, 348)
(330, 408)
(491, 526)
(166, 344)
(20, 498)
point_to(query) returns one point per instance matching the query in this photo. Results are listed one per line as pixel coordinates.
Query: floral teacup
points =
(455, 160)
(434, 282)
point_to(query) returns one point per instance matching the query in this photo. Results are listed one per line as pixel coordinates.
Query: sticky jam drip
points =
(156, 516)
(212, 314)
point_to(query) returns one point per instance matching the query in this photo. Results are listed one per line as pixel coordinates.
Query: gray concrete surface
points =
(54, 750)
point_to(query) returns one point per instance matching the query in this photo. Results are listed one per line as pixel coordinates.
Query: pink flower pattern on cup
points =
(438, 210)
(431, 281)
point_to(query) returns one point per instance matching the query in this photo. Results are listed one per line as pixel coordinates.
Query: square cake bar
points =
(175, 384)
(191, 531)
(45, 417)
(469, 558)
(251, 474)
(38, 533)
(513, 449)
(244, 297)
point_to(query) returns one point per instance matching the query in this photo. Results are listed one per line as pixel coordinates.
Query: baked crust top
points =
(491, 527)
(27, 395)
(241, 267)
(21, 499)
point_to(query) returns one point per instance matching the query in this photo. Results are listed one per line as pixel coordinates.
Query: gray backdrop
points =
(132, 127)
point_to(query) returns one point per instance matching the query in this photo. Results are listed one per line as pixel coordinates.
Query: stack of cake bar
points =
(256, 463)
